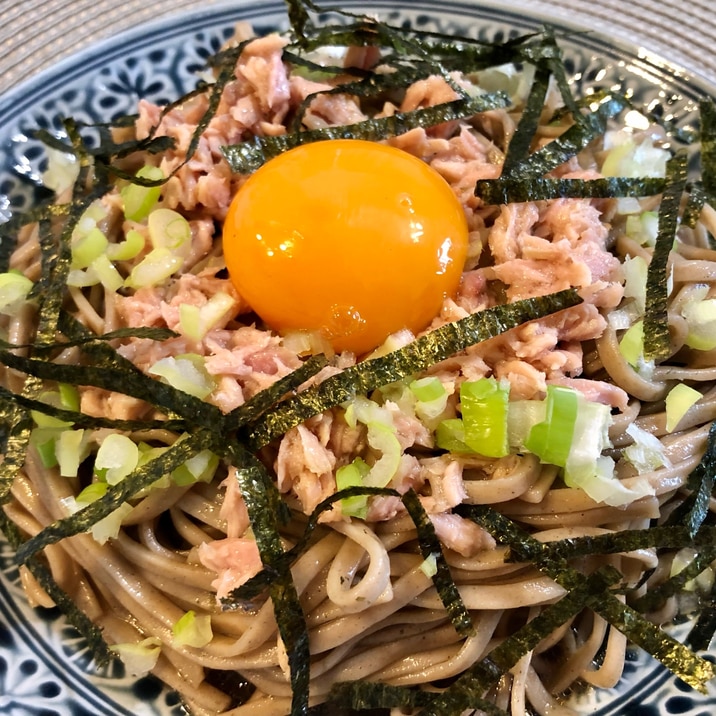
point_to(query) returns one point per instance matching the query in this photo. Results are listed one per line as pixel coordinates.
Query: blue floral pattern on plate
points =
(45, 669)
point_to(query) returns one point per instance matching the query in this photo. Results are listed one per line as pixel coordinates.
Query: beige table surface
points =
(35, 34)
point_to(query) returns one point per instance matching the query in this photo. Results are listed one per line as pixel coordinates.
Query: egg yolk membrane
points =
(349, 238)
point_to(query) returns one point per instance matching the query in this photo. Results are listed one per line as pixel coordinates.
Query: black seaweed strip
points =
(659, 537)
(519, 147)
(679, 659)
(361, 695)
(298, 60)
(418, 355)
(694, 205)
(656, 327)
(657, 596)
(299, 18)
(707, 110)
(556, 64)
(476, 680)
(19, 425)
(370, 86)
(249, 156)
(702, 632)
(81, 420)
(509, 190)
(134, 384)
(155, 334)
(692, 512)
(137, 480)
(253, 408)
(675, 656)
(264, 504)
(568, 144)
(56, 258)
(77, 618)
(445, 586)
(469, 689)
(258, 584)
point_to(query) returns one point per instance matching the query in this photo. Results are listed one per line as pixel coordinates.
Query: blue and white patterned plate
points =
(45, 669)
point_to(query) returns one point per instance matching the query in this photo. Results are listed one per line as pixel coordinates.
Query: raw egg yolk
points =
(350, 238)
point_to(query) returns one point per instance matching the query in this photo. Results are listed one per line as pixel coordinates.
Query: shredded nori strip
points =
(133, 383)
(707, 112)
(258, 584)
(692, 512)
(675, 656)
(657, 596)
(416, 356)
(267, 513)
(694, 205)
(469, 689)
(154, 334)
(247, 157)
(472, 684)
(623, 541)
(18, 424)
(139, 479)
(82, 420)
(430, 547)
(569, 143)
(90, 632)
(507, 190)
(702, 632)
(259, 403)
(519, 147)
(656, 327)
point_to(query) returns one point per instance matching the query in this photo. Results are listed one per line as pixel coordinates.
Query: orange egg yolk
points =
(350, 238)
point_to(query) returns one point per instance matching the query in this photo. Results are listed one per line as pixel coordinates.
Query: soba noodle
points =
(371, 608)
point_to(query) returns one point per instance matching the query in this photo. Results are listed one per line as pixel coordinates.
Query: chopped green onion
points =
(700, 316)
(116, 458)
(157, 266)
(69, 397)
(631, 345)
(431, 397)
(69, 450)
(427, 389)
(382, 436)
(43, 420)
(193, 630)
(139, 200)
(643, 228)
(198, 468)
(646, 453)
(140, 658)
(186, 373)
(130, 248)
(108, 527)
(197, 321)
(429, 566)
(87, 247)
(14, 290)
(483, 404)
(44, 440)
(450, 435)
(353, 475)
(168, 229)
(107, 274)
(678, 401)
(635, 269)
(551, 440)
(92, 492)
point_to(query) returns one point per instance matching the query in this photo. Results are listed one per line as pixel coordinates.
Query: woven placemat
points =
(36, 34)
